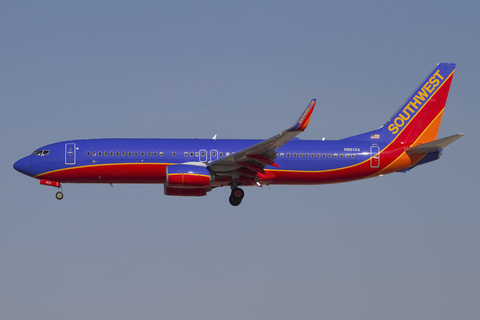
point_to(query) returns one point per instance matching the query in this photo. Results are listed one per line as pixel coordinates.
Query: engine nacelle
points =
(184, 192)
(187, 176)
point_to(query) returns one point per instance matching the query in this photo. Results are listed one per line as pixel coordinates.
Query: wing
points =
(250, 162)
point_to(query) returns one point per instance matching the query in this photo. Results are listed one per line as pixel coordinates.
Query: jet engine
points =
(187, 180)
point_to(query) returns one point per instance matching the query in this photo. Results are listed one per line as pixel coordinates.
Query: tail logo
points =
(416, 101)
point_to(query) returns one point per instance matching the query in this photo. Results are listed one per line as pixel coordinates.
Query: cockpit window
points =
(40, 153)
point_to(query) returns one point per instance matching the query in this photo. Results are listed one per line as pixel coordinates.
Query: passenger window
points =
(123, 153)
(161, 153)
(129, 153)
(99, 153)
(185, 154)
(228, 153)
(174, 153)
(282, 155)
(149, 154)
(329, 155)
(306, 155)
(353, 156)
(191, 154)
(295, 155)
(318, 155)
(111, 153)
(341, 155)
(301, 155)
(196, 154)
(312, 155)
(88, 153)
(203, 154)
(288, 154)
(136, 153)
(94, 153)
(214, 154)
(347, 155)
(324, 155)
(155, 153)
(221, 154)
(335, 155)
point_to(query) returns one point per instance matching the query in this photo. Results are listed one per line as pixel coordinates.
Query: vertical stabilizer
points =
(418, 119)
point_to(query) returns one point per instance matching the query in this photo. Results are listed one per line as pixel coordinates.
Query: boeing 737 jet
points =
(194, 167)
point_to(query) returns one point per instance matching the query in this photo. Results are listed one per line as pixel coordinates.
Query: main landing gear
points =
(236, 196)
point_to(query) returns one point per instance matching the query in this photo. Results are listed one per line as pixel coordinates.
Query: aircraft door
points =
(213, 155)
(202, 155)
(375, 156)
(70, 153)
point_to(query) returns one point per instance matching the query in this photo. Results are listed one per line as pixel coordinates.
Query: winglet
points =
(302, 122)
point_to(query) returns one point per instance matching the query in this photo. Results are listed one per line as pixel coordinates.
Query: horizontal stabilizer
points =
(433, 146)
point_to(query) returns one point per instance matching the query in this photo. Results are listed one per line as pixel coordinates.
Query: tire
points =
(238, 193)
(234, 201)
(59, 195)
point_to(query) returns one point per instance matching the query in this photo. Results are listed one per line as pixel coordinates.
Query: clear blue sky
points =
(404, 246)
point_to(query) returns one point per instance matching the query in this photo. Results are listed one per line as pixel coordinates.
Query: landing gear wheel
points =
(234, 201)
(238, 193)
(236, 196)
(59, 195)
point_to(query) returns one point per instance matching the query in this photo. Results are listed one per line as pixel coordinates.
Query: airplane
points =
(194, 167)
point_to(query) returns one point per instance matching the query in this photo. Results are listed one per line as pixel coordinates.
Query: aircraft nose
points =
(22, 165)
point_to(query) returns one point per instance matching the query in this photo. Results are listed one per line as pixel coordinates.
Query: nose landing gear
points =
(59, 195)
(236, 196)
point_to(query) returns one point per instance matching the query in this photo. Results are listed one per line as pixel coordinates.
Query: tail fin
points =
(418, 119)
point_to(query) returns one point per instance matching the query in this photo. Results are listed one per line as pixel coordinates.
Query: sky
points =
(402, 246)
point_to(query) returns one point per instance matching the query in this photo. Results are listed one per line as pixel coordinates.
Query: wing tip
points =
(304, 119)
